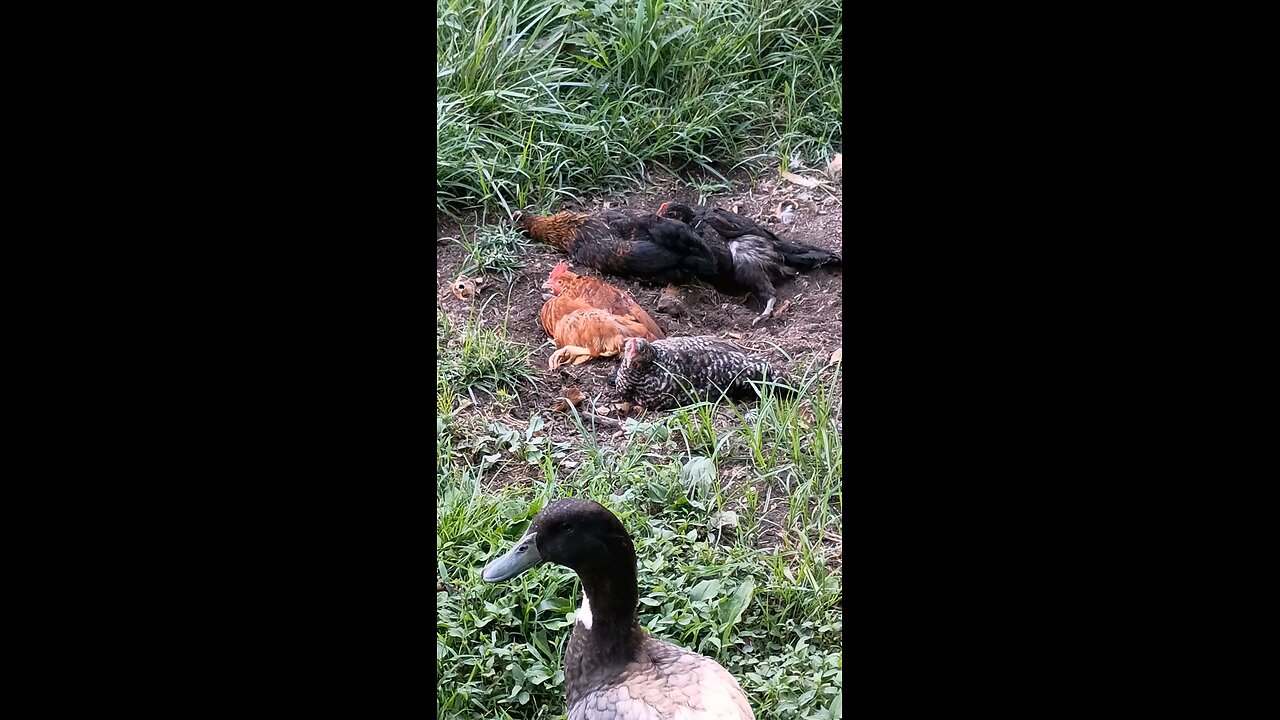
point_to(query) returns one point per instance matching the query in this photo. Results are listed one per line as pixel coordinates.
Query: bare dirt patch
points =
(808, 330)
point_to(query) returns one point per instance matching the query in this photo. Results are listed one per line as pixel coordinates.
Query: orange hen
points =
(588, 317)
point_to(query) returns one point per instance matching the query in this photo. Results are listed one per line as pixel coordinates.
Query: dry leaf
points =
(622, 407)
(574, 395)
(734, 335)
(785, 213)
(603, 410)
(724, 519)
(782, 308)
(833, 167)
(837, 355)
(465, 288)
(799, 180)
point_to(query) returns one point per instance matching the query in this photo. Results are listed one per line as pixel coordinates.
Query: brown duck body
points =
(662, 681)
(644, 246)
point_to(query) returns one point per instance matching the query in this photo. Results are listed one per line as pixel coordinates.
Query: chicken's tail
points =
(806, 257)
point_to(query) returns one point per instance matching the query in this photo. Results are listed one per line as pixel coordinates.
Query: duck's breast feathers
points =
(670, 684)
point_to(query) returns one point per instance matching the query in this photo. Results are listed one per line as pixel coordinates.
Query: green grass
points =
(543, 98)
(477, 357)
(757, 591)
(491, 249)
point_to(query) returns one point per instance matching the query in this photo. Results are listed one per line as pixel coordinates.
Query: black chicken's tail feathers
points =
(805, 256)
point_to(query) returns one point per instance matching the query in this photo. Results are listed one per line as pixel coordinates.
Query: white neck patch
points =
(584, 614)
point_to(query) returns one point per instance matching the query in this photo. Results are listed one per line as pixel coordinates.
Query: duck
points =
(613, 668)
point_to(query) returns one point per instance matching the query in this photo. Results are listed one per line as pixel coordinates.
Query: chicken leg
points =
(569, 353)
(768, 311)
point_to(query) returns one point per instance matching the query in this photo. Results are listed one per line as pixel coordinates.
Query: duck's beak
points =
(520, 558)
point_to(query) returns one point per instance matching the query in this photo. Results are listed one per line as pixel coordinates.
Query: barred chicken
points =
(748, 255)
(668, 373)
(587, 317)
(645, 246)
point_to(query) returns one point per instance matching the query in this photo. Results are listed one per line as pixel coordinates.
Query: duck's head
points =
(579, 534)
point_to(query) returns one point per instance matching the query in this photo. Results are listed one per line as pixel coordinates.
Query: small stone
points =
(670, 301)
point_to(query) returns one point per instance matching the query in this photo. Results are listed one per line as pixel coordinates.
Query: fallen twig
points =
(601, 420)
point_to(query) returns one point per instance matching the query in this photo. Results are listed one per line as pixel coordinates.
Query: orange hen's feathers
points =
(590, 313)
(554, 230)
(602, 333)
(596, 293)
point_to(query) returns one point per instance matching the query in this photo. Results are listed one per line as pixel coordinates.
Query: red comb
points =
(559, 270)
(663, 208)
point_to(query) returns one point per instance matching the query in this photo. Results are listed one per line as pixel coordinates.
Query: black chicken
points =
(662, 374)
(748, 255)
(640, 245)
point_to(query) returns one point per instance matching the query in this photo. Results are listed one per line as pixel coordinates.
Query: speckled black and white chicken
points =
(668, 373)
